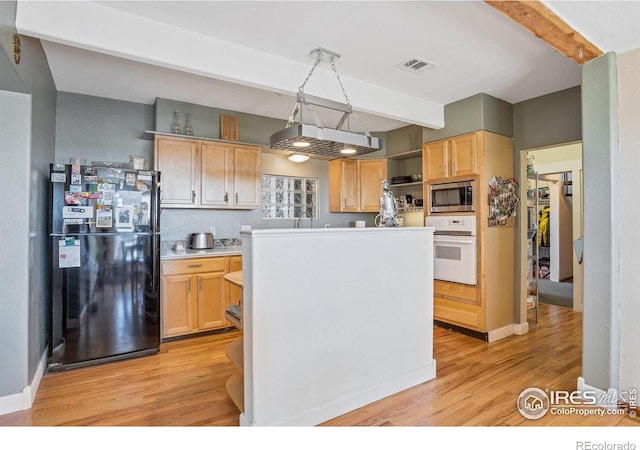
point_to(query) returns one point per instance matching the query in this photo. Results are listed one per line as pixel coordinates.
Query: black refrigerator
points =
(105, 264)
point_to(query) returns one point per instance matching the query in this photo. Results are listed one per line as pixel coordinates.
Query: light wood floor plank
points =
(477, 384)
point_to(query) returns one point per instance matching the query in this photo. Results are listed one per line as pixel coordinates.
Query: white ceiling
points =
(252, 56)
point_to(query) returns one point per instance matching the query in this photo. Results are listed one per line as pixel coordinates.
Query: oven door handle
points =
(453, 241)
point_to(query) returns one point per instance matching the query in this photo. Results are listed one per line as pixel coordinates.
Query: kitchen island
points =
(333, 319)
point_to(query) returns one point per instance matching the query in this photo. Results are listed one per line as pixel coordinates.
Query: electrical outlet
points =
(326, 225)
(212, 230)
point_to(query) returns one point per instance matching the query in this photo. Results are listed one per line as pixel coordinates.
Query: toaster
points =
(201, 241)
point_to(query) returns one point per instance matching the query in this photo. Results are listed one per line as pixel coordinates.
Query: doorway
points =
(559, 272)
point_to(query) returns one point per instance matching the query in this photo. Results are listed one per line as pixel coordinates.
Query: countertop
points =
(169, 253)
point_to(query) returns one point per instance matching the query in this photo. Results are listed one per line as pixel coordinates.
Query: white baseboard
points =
(24, 400)
(606, 399)
(500, 333)
(352, 401)
(521, 328)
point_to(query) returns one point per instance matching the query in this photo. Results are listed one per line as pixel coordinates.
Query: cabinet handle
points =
(193, 195)
(226, 198)
(453, 168)
(237, 198)
(200, 284)
(194, 265)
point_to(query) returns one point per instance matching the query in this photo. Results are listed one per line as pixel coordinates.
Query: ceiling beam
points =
(543, 23)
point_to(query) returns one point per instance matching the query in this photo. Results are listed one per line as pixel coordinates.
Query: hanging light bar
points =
(316, 139)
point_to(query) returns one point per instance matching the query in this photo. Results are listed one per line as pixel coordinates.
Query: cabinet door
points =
(214, 175)
(372, 174)
(247, 178)
(179, 296)
(349, 186)
(211, 298)
(177, 159)
(435, 160)
(464, 155)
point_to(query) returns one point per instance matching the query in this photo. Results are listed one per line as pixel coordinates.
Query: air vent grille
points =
(416, 65)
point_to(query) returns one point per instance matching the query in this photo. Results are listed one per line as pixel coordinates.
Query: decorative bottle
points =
(188, 128)
(175, 126)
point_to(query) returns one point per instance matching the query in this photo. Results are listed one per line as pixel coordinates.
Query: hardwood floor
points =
(477, 383)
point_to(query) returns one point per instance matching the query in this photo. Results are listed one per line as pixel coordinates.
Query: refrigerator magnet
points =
(104, 218)
(124, 217)
(68, 253)
(75, 169)
(57, 167)
(77, 212)
(106, 187)
(74, 198)
(91, 179)
(88, 170)
(131, 179)
(76, 178)
(58, 177)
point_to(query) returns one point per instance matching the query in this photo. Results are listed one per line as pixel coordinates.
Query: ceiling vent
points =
(416, 65)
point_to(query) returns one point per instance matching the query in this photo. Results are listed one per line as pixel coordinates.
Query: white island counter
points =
(333, 319)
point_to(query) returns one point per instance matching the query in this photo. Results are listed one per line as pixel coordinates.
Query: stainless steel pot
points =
(201, 241)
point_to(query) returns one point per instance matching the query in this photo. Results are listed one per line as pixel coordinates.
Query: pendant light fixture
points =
(315, 139)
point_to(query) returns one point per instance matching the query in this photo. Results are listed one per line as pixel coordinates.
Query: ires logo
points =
(534, 403)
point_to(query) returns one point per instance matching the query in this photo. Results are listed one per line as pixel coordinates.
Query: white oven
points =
(454, 248)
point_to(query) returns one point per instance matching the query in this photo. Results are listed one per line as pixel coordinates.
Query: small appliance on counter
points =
(201, 241)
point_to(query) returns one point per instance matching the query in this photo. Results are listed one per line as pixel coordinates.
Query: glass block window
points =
(289, 197)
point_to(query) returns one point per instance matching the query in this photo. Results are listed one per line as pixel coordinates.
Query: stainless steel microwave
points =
(452, 197)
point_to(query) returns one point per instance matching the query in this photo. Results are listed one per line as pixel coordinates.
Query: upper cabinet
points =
(208, 174)
(356, 185)
(453, 157)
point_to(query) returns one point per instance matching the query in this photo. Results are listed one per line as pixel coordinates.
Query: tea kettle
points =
(200, 241)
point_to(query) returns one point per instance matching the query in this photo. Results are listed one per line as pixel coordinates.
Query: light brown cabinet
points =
(208, 174)
(194, 295)
(454, 157)
(487, 307)
(356, 185)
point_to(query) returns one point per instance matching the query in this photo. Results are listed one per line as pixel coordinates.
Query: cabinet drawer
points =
(457, 314)
(455, 291)
(195, 265)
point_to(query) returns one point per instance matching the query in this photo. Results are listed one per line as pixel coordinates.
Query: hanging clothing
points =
(543, 226)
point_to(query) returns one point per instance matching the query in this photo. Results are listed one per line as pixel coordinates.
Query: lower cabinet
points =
(195, 295)
(457, 304)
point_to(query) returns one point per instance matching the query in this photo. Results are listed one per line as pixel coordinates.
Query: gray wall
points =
(479, 112)
(28, 123)
(206, 121)
(102, 129)
(601, 320)
(548, 120)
